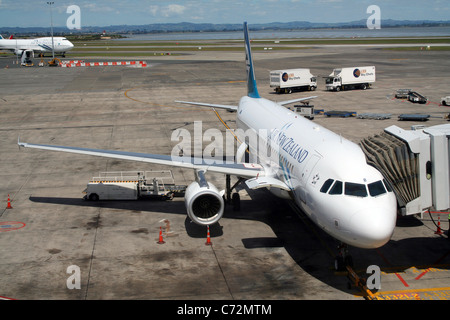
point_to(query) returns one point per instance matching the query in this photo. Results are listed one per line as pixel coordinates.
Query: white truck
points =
(350, 78)
(288, 81)
(445, 101)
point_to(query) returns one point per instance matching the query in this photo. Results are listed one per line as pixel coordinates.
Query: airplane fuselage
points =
(41, 45)
(356, 208)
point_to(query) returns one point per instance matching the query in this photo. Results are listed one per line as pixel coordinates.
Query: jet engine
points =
(204, 203)
(18, 52)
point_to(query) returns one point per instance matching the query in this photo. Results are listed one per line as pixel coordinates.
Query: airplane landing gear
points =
(233, 199)
(343, 259)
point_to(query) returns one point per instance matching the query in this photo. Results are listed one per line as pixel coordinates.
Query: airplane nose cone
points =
(373, 227)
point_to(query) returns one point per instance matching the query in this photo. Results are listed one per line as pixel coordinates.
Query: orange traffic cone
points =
(208, 239)
(9, 203)
(439, 231)
(161, 241)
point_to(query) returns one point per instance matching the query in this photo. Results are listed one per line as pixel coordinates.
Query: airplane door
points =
(305, 176)
(309, 167)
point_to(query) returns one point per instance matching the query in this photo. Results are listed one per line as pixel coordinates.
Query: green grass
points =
(115, 54)
(421, 48)
(161, 51)
(135, 48)
(360, 41)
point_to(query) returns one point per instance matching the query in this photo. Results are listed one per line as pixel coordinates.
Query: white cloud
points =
(176, 8)
(154, 10)
(167, 11)
(92, 7)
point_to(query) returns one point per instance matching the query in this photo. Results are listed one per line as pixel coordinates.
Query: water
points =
(298, 34)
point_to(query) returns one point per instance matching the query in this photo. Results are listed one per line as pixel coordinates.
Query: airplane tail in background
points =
(1, 37)
(252, 90)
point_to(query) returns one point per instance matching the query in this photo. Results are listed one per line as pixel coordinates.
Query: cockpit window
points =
(355, 189)
(326, 185)
(337, 188)
(376, 188)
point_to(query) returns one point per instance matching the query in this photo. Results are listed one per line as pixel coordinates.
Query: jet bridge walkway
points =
(416, 163)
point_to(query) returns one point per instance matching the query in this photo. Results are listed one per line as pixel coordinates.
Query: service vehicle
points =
(416, 97)
(290, 80)
(133, 185)
(351, 78)
(445, 101)
(402, 93)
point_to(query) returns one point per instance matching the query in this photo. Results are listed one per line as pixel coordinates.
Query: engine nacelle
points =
(18, 52)
(204, 203)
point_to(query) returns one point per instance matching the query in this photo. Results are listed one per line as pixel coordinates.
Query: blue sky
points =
(35, 13)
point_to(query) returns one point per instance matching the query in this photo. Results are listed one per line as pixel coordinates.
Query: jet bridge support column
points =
(440, 155)
(228, 188)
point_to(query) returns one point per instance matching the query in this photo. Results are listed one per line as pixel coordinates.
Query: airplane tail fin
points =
(1, 37)
(252, 90)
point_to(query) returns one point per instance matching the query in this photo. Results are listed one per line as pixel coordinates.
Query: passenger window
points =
(326, 185)
(376, 188)
(337, 188)
(355, 189)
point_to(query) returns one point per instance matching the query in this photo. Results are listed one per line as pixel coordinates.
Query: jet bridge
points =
(416, 163)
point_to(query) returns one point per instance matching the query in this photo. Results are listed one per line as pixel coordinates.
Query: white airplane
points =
(40, 45)
(326, 175)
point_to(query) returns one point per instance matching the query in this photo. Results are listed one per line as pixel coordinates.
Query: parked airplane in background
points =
(40, 45)
(326, 175)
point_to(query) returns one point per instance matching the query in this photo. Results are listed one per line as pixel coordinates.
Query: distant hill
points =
(209, 27)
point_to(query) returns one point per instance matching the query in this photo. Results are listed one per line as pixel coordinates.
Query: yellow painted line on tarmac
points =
(415, 294)
(193, 108)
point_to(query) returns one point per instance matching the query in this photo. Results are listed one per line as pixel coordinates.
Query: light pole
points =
(50, 3)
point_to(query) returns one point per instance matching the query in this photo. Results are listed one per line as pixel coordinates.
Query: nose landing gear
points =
(343, 259)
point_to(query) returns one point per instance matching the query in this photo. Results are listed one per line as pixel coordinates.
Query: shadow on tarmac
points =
(312, 249)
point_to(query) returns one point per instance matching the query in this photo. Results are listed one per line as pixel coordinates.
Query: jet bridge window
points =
(355, 189)
(376, 188)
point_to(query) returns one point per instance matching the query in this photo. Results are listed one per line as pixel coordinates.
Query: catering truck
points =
(350, 78)
(288, 81)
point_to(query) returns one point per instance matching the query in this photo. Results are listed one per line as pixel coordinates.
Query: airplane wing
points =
(282, 103)
(246, 170)
(234, 108)
(219, 106)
